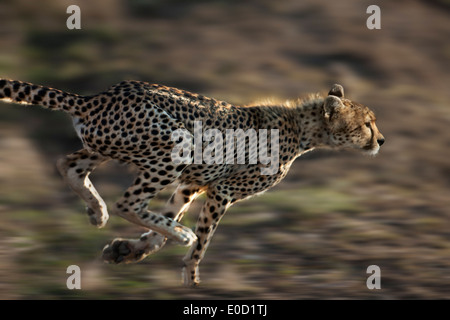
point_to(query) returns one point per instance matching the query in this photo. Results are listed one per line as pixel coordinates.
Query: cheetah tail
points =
(27, 93)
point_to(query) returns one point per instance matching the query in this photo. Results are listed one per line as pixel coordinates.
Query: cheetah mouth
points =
(371, 150)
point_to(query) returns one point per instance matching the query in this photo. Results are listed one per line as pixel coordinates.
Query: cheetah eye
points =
(367, 124)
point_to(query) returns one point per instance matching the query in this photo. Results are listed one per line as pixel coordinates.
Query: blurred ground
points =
(314, 235)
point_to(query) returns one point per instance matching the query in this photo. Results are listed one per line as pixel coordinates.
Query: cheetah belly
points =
(203, 174)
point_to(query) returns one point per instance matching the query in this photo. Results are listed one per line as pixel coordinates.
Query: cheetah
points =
(133, 122)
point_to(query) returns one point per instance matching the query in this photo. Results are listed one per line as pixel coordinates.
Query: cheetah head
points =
(350, 124)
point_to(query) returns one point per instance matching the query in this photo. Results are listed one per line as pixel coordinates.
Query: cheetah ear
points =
(337, 90)
(332, 105)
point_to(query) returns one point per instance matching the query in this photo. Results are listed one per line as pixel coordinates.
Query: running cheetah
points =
(134, 122)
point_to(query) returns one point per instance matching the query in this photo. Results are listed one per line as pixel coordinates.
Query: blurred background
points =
(314, 235)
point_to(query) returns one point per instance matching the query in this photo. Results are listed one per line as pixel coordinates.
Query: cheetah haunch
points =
(133, 122)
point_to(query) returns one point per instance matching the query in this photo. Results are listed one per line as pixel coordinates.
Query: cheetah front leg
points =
(134, 250)
(75, 169)
(222, 194)
(210, 215)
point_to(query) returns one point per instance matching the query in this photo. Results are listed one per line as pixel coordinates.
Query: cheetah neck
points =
(310, 125)
(303, 121)
(299, 122)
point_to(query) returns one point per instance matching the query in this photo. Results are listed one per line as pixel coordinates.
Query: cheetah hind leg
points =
(75, 169)
(133, 207)
(132, 250)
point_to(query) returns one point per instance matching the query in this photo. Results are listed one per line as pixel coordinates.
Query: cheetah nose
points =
(380, 141)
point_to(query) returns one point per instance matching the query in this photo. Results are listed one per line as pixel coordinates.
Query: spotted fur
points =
(133, 122)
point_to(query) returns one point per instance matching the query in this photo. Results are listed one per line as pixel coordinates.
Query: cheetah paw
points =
(184, 236)
(122, 251)
(98, 217)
